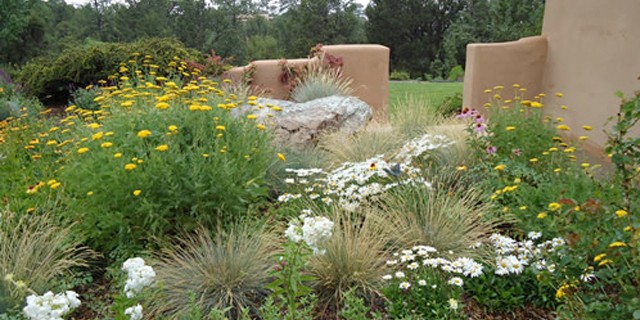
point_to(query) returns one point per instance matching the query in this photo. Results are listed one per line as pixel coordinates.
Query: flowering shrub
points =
(159, 156)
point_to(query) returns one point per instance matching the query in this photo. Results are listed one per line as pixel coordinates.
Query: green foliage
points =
(451, 105)
(399, 75)
(50, 78)
(83, 98)
(224, 270)
(262, 47)
(456, 73)
(14, 104)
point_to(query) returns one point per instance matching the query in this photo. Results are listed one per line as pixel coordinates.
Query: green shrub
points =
(451, 105)
(50, 77)
(399, 76)
(83, 98)
(158, 160)
(456, 73)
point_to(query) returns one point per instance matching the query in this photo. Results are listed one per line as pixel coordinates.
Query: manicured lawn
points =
(432, 91)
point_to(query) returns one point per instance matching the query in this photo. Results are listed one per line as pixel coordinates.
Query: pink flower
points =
(492, 150)
(480, 127)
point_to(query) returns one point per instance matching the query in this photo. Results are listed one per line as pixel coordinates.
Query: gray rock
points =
(299, 124)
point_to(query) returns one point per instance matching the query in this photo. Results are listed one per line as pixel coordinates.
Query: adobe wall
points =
(589, 49)
(503, 63)
(367, 65)
(594, 51)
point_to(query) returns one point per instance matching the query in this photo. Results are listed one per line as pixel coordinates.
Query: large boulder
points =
(299, 124)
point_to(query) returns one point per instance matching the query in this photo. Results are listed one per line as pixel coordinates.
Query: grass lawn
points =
(435, 92)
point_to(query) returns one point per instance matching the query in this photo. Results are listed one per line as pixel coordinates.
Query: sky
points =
(363, 2)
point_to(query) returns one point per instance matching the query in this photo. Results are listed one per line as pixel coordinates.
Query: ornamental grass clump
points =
(34, 251)
(319, 81)
(222, 269)
(449, 221)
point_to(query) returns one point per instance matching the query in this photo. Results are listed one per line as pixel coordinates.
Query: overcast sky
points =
(363, 2)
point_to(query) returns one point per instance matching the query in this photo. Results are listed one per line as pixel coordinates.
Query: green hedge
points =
(52, 78)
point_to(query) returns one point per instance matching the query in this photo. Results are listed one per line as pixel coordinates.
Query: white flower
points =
(456, 281)
(290, 181)
(392, 262)
(453, 304)
(293, 232)
(413, 266)
(422, 283)
(400, 274)
(587, 277)
(134, 313)
(139, 276)
(404, 285)
(315, 230)
(387, 277)
(534, 235)
(49, 306)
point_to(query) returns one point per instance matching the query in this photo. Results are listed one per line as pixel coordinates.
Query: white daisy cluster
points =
(134, 313)
(354, 182)
(312, 230)
(50, 306)
(513, 256)
(420, 257)
(139, 276)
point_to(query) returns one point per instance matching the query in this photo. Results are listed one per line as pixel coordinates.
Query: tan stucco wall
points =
(367, 65)
(594, 51)
(505, 63)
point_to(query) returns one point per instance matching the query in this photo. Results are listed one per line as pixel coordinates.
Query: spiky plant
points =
(319, 81)
(355, 259)
(449, 220)
(219, 270)
(34, 250)
(340, 147)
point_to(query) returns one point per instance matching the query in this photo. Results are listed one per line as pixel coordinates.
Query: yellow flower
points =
(205, 155)
(261, 126)
(162, 106)
(97, 136)
(582, 138)
(517, 180)
(560, 119)
(559, 94)
(533, 160)
(605, 262)
(627, 228)
(554, 206)
(144, 133)
(599, 257)
(281, 157)
(461, 168)
(563, 107)
(523, 208)
(107, 145)
(510, 128)
(117, 155)
(542, 215)
(83, 150)
(220, 128)
(127, 104)
(55, 185)
(563, 127)
(276, 108)
(617, 244)
(162, 148)
(585, 165)
(137, 192)
(90, 193)
(252, 116)
(557, 170)
(130, 166)
(173, 128)
(536, 104)
(621, 213)
(587, 128)
(500, 167)
(51, 142)
(487, 91)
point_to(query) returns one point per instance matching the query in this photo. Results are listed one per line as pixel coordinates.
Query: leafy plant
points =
(399, 75)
